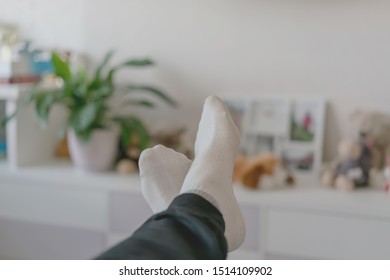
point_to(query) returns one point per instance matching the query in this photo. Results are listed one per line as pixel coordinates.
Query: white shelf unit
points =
(28, 143)
(39, 204)
(49, 210)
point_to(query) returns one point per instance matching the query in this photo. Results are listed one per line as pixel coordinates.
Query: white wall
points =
(49, 23)
(337, 49)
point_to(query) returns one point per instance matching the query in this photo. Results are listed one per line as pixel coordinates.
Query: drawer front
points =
(25, 240)
(127, 212)
(252, 221)
(317, 235)
(77, 208)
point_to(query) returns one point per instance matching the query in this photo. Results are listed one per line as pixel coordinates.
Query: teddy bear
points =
(373, 128)
(249, 171)
(351, 168)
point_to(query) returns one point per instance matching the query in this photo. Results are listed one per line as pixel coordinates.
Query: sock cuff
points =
(206, 196)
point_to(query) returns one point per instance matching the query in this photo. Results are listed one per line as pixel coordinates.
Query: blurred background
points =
(86, 85)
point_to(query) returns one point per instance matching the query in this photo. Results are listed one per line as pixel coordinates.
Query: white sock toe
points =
(162, 172)
(211, 172)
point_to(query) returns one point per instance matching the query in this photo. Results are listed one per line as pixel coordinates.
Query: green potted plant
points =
(94, 130)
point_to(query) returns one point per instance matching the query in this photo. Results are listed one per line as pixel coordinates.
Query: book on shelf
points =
(20, 79)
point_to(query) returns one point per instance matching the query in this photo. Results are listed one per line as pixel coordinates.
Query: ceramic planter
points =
(98, 153)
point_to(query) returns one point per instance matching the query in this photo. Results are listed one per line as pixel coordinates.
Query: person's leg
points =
(211, 172)
(193, 217)
(191, 228)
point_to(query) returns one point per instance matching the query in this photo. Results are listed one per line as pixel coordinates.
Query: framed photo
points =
(269, 116)
(306, 120)
(302, 160)
(237, 109)
(305, 143)
(257, 144)
(291, 128)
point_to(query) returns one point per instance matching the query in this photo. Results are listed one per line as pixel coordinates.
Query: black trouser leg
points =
(191, 228)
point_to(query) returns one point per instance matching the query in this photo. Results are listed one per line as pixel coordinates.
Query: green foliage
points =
(87, 98)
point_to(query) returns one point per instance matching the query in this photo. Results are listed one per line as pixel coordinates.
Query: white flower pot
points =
(98, 153)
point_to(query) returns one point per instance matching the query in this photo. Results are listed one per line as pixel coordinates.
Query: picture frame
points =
(291, 128)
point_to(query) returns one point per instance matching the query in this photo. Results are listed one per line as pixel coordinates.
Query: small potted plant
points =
(94, 130)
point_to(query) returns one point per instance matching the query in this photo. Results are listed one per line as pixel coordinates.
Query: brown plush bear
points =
(248, 171)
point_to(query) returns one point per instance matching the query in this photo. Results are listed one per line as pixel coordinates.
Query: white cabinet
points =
(315, 223)
(55, 212)
(32, 240)
(327, 236)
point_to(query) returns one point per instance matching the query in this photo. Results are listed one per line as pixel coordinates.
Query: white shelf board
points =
(369, 202)
(62, 171)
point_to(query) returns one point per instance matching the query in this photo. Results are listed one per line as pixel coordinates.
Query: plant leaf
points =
(155, 92)
(126, 134)
(130, 126)
(144, 103)
(136, 63)
(87, 115)
(61, 68)
(43, 105)
(130, 63)
(103, 64)
(4, 121)
(141, 131)
(103, 91)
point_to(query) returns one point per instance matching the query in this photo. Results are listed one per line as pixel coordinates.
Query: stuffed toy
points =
(387, 172)
(249, 171)
(351, 168)
(373, 128)
(129, 156)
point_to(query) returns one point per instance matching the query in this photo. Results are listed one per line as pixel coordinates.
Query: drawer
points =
(58, 205)
(252, 221)
(32, 241)
(318, 235)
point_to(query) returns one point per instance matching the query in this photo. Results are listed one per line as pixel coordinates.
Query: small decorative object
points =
(129, 156)
(172, 139)
(62, 150)
(374, 128)
(290, 128)
(387, 172)
(251, 171)
(351, 168)
(387, 175)
(126, 166)
(9, 35)
(93, 127)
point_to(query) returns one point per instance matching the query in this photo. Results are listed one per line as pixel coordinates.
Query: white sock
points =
(162, 172)
(210, 175)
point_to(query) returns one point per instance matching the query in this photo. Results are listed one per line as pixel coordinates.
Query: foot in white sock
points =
(210, 175)
(162, 172)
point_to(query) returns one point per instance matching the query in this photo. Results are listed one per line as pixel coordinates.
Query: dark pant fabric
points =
(191, 228)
